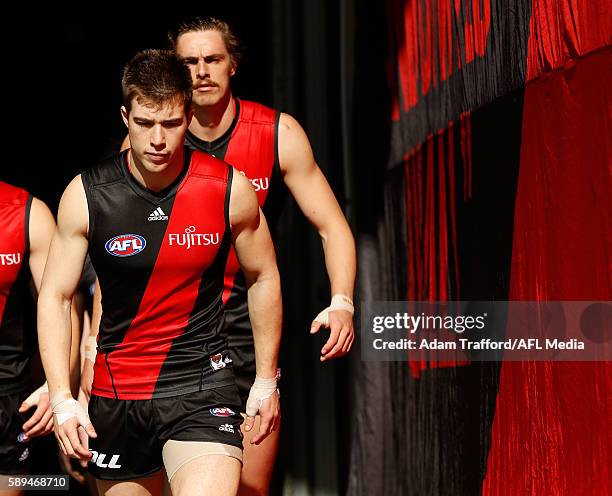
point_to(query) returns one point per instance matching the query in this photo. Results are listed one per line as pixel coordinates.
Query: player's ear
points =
(124, 115)
(233, 69)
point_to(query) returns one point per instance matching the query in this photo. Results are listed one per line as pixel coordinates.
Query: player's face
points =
(156, 132)
(210, 65)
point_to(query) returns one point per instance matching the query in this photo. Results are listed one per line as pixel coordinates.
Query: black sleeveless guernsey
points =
(160, 260)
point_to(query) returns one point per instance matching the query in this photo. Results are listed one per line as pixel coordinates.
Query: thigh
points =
(5, 482)
(146, 486)
(258, 462)
(210, 474)
(127, 446)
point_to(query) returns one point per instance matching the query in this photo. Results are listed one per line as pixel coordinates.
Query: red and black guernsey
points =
(251, 146)
(17, 330)
(160, 259)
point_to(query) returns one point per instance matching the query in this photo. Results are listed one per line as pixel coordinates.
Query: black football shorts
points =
(132, 433)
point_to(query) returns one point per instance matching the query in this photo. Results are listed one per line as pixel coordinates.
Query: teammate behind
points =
(270, 148)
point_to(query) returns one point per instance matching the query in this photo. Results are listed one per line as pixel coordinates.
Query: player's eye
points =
(146, 124)
(172, 124)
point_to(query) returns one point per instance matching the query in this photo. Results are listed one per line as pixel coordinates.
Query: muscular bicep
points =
(40, 231)
(250, 233)
(69, 244)
(304, 178)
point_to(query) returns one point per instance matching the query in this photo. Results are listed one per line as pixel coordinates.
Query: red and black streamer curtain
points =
(498, 187)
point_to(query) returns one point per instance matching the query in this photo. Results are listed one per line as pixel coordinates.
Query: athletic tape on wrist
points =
(57, 398)
(67, 408)
(34, 397)
(338, 302)
(91, 348)
(261, 390)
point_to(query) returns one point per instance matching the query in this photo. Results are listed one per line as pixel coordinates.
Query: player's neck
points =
(210, 123)
(157, 181)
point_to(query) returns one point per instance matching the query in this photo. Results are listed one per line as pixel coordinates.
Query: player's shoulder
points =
(242, 188)
(289, 124)
(292, 138)
(40, 215)
(294, 148)
(243, 200)
(257, 112)
(73, 212)
(240, 182)
(205, 165)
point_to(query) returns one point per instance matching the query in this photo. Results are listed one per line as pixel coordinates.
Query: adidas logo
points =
(227, 428)
(157, 214)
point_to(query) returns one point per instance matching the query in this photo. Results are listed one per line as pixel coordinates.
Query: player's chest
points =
(184, 232)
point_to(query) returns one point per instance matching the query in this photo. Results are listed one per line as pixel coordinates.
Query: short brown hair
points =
(209, 24)
(158, 76)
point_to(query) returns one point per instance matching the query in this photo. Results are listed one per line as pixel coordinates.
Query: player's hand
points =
(269, 418)
(341, 336)
(72, 427)
(41, 421)
(338, 318)
(263, 400)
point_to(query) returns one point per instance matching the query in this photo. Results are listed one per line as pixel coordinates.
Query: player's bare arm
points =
(40, 231)
(61, 277)
(256, 255)
(318, 203)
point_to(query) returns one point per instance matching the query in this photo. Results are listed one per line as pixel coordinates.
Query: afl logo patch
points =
(125, 245)
(222, 412)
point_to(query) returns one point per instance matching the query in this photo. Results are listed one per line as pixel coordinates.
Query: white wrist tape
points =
(261, 390)
(34, 398)
(67, 408)
(338, 302)
(91, 347)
